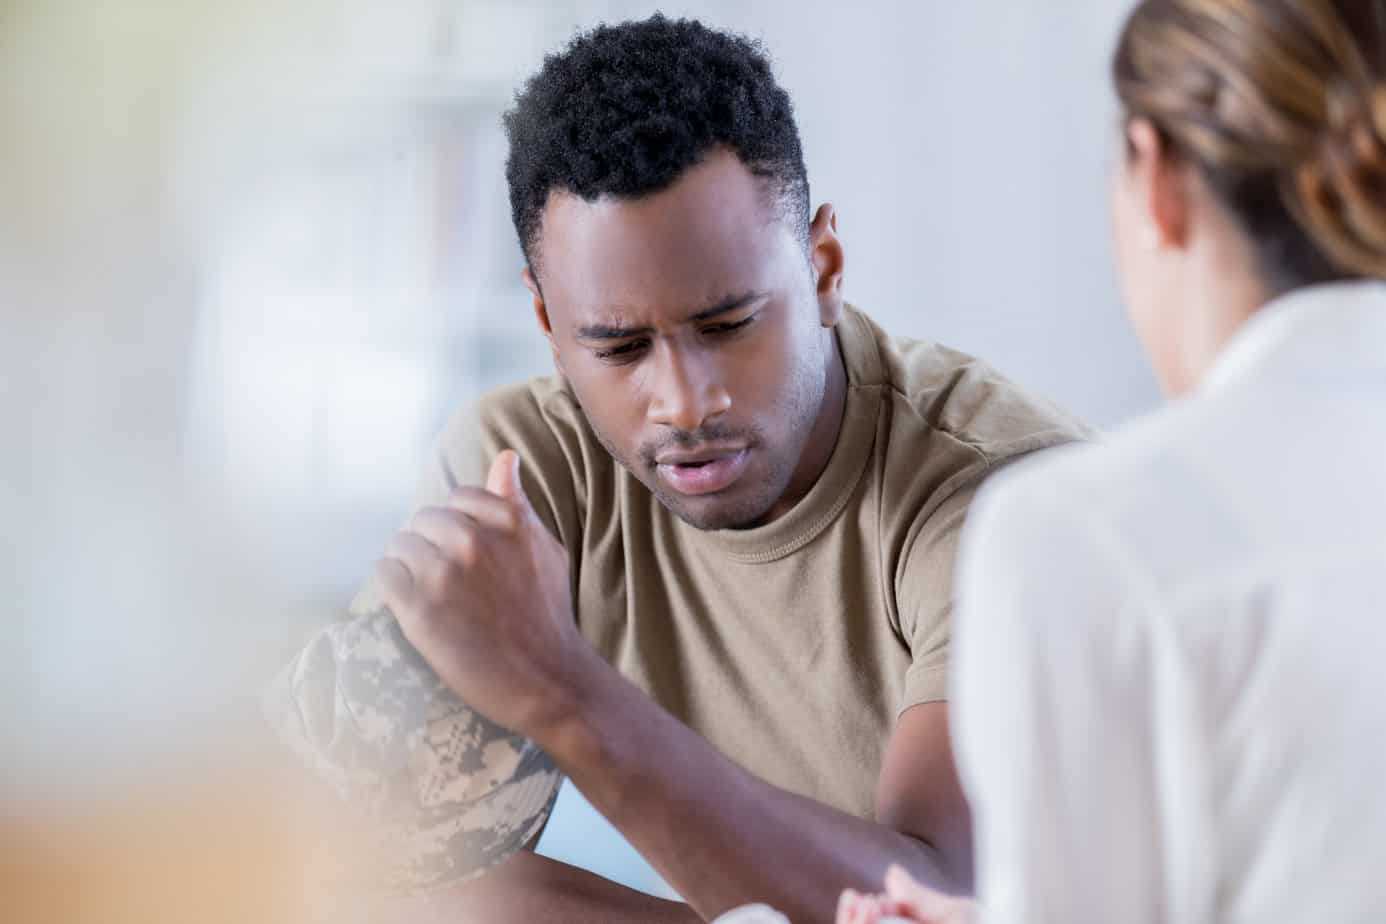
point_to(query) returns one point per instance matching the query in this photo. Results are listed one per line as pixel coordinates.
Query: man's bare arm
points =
(723, 837)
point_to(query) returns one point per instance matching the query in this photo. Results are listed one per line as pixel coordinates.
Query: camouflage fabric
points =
(447, 792)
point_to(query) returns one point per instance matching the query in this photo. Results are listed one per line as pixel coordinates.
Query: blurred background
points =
(253, 254)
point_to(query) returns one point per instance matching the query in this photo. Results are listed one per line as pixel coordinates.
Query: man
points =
(709, 571)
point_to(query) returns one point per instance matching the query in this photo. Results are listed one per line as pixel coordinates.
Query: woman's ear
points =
(825, 250)
(1162, 185)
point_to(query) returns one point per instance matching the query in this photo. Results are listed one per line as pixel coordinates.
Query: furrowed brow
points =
(609, 332)
(727, 305)
(603, 331)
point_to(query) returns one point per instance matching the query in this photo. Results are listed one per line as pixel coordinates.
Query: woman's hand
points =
(907, 900)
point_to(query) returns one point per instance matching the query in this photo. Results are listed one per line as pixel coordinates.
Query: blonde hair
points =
(1282, 105)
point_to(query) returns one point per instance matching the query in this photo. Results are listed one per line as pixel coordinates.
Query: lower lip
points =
(717, 475)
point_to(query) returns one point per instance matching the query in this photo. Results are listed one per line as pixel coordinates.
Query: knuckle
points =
(465, 548)
(512, 517)
(420, 517)
(393, 571)
(450, 573)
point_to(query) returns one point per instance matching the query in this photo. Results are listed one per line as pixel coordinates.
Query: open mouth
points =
(694, 476)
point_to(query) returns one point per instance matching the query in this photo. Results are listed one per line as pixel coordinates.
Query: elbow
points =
(941, 855)
(952, 863)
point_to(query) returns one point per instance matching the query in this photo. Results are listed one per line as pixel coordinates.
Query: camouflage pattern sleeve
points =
(447, 793)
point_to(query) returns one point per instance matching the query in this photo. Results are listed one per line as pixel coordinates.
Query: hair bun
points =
(1341, 190)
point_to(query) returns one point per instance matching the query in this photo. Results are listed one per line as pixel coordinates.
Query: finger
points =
(487, 508)
(504, 479)
(421, 557)
(396, 583)
(451, 533)
(900, 884)
(891, 908)
(846, 906)
(868, 910)
(919, 901)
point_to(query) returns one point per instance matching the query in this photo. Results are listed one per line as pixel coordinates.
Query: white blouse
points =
(1169, 682)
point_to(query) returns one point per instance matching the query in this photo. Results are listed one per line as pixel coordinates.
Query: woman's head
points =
(1255, 162)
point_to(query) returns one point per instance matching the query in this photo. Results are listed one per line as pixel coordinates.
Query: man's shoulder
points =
(533, 399)
(540, 420)
(539, 415)
(936, 388)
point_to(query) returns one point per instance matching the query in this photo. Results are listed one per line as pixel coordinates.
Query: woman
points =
(1170, 678)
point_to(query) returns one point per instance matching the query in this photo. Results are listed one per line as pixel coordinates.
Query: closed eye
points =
(623, 352)
(728, 327)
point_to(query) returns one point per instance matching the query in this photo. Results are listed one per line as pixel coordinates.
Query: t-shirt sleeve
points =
(924, 597)
(925, 590)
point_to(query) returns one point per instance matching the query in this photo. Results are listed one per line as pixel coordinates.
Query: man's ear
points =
(1163, 180)
(541, 312)
(825, 252)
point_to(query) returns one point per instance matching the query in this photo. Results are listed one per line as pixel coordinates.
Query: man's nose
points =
(688, 391)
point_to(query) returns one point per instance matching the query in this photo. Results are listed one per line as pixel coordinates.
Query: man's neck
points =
(822, 439)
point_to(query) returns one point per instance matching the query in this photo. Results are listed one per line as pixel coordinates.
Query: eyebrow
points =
(615, 332)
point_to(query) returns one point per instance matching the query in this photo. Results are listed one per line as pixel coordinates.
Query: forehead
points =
(715, 231)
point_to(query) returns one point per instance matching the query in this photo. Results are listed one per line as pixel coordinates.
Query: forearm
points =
(719, 835)
(530, 889)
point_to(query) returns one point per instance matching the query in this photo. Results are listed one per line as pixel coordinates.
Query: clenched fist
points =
(481, 589)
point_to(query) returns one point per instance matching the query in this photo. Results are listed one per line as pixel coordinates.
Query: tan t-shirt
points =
(792, 647)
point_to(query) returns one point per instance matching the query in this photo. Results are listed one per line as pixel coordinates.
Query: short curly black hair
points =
(624, 110)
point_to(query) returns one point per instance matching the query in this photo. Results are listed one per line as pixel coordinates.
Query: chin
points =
(714, 513)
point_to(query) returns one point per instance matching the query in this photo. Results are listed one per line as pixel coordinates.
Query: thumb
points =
(924, 904)
(504, 479)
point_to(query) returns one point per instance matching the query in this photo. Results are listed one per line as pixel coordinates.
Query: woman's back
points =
(1203, 653)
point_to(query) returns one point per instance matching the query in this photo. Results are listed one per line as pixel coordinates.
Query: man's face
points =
(688, 326)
